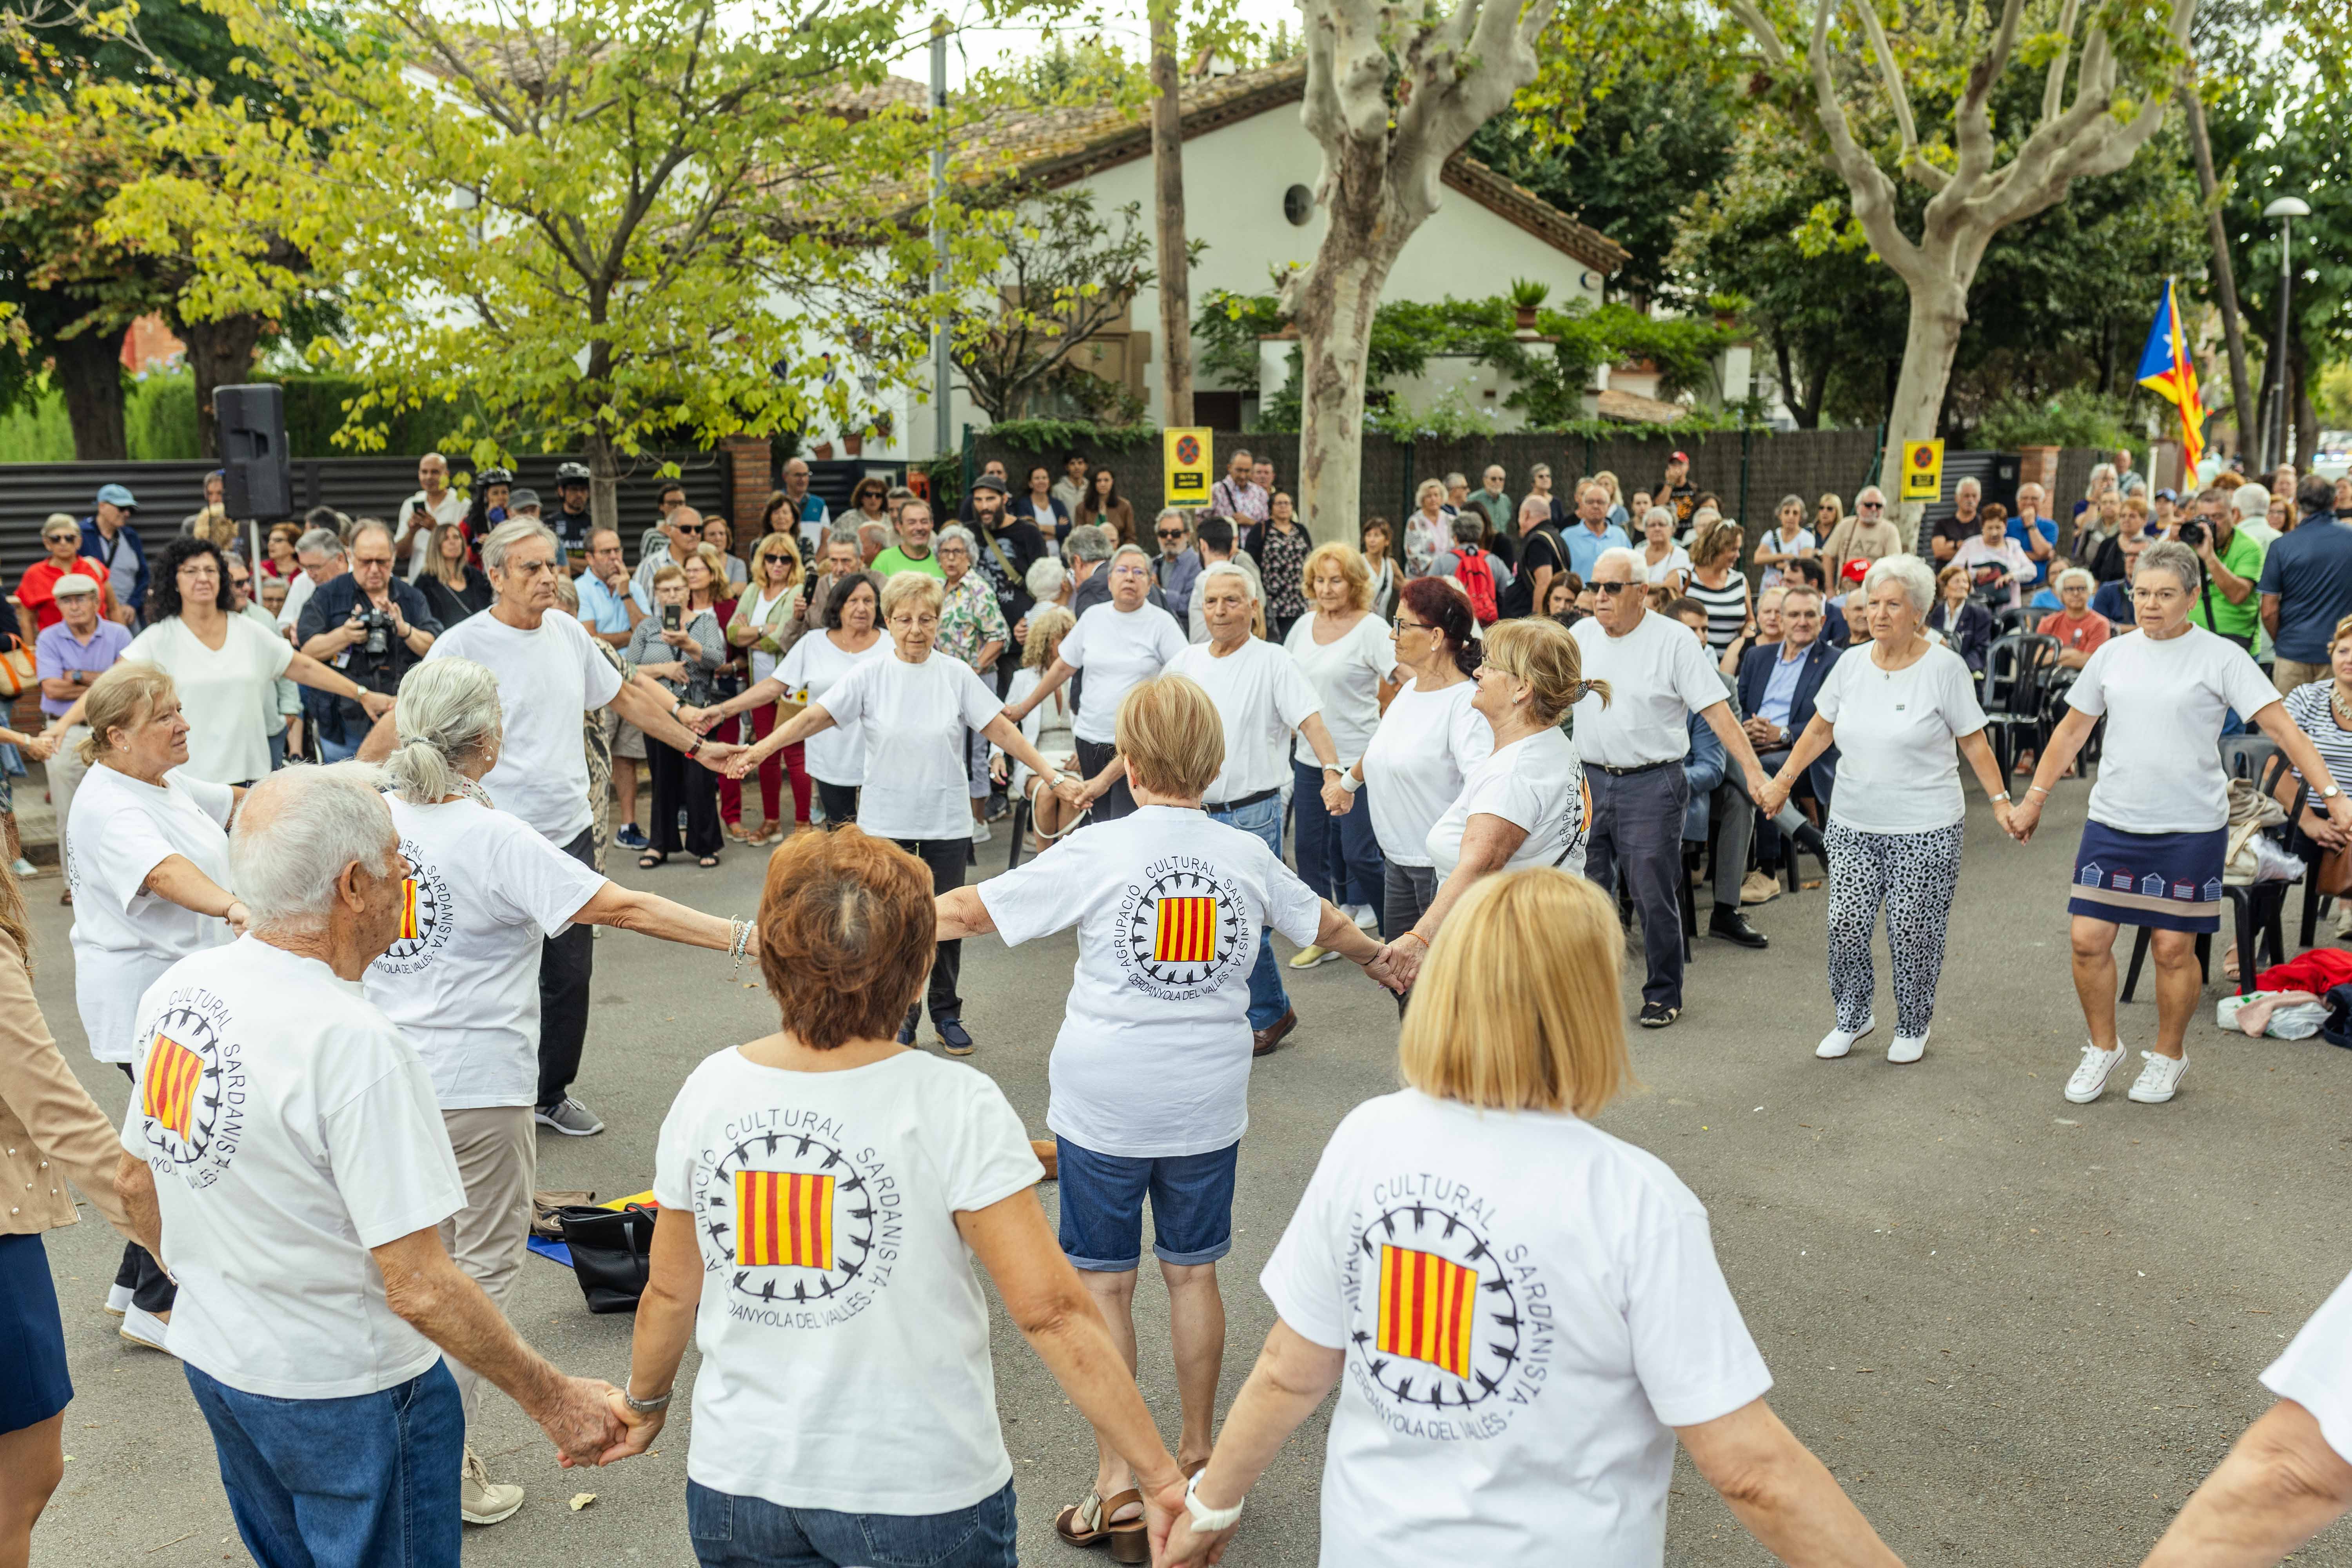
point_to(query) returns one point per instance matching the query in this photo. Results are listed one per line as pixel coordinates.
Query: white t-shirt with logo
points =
(1658, 676)
(2315, 1370)
(1118, 649)
(547, 679)
(2161, 770)
(841, 1315)
(290, 1128)
(1536, 783)
(480, 892)
(120, 830)
(914, 715)
(1261, 698)
(1416, 764)
(1527, 1305)
(836, 756)
(1153, 1056)
(1898, 768)
(228, 695)
(1346, 673)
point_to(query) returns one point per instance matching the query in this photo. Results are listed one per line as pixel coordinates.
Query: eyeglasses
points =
(1399, 628)
(1611, 588)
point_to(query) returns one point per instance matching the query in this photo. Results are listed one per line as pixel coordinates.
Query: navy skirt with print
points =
(2166, 881)
(32, 1382)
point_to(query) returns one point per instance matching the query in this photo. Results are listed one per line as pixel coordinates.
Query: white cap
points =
(73, 583)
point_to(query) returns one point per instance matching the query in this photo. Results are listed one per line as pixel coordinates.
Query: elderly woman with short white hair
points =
(1894, 715)
(2152, 852)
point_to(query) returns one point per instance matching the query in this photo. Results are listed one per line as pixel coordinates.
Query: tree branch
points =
(2054, 86)
(1908, 161)
(1872, 193)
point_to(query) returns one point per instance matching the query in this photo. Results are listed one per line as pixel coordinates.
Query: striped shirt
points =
(1727, 609)
(2314, 715)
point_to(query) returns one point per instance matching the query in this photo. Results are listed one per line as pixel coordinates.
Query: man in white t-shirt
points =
(284, 1156)
(1215, 540)
(1634, 749)
(549, 673)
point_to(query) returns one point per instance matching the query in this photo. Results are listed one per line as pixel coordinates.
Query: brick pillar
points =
(2039, 466)
(750, 467)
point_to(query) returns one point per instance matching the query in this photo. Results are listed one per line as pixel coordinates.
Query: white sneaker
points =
(2090, 1080)
(483, 1500)
(144, 1329)
(118, 1300)
(1906, 1048)
(1837, 1042)
(980, 834)
(1365, 917)
(2159, 1079)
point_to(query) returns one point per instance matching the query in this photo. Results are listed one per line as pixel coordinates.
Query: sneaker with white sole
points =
(980, 834)
(569, 1117)
(2090, 1080)
(145, 1329)
(2159, 1079)
(481, 1500)
(1310, 955)
(1837, 1042)
(1904, 1048)
(118, 1300)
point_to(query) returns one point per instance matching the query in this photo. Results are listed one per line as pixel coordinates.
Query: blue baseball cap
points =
(116, 495)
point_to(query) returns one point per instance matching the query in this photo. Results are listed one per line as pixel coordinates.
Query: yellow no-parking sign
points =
(1923, 470)
(1188, 466)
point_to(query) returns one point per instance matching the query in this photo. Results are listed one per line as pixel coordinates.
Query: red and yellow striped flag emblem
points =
(173, 1071)
(1188, 931)
(784, 1219)
(1428, 1306)
(409, 909)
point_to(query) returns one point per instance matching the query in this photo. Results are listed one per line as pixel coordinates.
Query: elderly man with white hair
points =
(1633, 744)
(314, 1342)
(1868, 534)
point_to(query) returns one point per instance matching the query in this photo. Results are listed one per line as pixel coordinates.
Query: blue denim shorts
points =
(729, 1531)
(1102, 1207)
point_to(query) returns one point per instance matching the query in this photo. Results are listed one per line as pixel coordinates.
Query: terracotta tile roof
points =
(1631, 409)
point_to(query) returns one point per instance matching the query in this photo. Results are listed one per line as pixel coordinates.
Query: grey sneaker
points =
(481, 1500)
(569, 1117)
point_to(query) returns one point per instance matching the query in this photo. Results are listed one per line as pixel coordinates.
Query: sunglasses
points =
(1612, 588)
(1170, 532)
(1870, 506)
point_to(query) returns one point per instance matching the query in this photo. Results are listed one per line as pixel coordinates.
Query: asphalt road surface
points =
(2018, 1331)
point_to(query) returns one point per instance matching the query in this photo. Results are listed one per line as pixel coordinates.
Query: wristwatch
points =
(1203, 1516)
(2330, 793)
(648, 1406)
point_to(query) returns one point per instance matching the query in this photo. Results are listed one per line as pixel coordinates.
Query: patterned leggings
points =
(1913, 875)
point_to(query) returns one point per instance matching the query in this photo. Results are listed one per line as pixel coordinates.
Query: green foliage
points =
(2076, 416)
(34, 430)
(1529, 293)
(2331, 396)
(1062, 435)
(1450, 417)
(1062, 275)
(1080, 73)
(159, 415)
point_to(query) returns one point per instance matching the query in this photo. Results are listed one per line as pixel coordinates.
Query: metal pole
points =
(942, 368)
(2279, 412)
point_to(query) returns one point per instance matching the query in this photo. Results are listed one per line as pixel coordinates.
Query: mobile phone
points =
(670, 616)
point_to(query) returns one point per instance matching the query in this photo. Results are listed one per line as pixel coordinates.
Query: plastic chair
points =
(2298, 843)
(2011, 619)
(2016, 668)
(1020, 830)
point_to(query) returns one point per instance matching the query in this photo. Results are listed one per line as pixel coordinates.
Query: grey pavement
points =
(2018, 1330)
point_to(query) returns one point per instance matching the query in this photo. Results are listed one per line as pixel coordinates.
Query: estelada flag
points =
(1187, 932)
(1428, 1307)
(784, 1219)
(2167, 369)
(173, 1071)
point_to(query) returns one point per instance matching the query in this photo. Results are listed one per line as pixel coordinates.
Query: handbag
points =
(16, 672)
(612, 1252)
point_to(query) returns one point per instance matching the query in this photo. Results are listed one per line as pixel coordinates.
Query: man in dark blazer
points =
(1778, 681)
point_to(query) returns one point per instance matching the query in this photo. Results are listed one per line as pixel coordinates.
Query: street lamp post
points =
(2286, 209)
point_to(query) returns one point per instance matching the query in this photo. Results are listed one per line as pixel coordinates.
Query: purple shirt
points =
(57, 653)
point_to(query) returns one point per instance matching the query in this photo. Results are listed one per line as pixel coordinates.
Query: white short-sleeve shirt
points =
(1346, 673)
(841, 1318)
(1898, 768)
(2315, 1370)
(547, 677)
(913, 717)
(481, 890)
(229, 697)
(290, 1128)
(1118, 649)
(1526, 1306)
(1416, 764)
(814, 666)
(123, 939)
(2161, 770)
(1536, 783)
(1261, 698)
(1658, 676)
(1153, 1056)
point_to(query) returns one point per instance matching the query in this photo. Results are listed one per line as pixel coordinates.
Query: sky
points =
(978, 47)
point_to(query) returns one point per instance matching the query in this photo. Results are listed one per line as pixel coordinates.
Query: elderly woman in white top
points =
(1429, 531)
(147, 861)
(1664, 561)
(481, 890)
(1894, 832)
(2152, 851)
(916, 705)
(1344, 651)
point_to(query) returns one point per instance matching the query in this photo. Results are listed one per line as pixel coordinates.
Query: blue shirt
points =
(57, 653)
(1780, 686)
(1584, 546)
(600, 609)
(2112, 600)
(2310, 569)
(2049, 532)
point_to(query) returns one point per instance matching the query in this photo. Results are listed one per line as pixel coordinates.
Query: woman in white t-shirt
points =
(1663, 561)
(1526, 804)
(1520, 1313)
(825, 1191)
(1787, 540)
(1150, 1072)
(1427, 743)
(763, 624)
(1894, 714)
(2152, 851)
(1343, 650)
(482, 890)
(850, 635)
(1047, 726)
(915, 706)
(147, 862)
(224, 667)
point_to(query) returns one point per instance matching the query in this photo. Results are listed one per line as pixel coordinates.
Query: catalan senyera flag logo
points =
(1187, 932)
(409, 909)
(784, 1219)
(1428, 1306)
(173, 1071)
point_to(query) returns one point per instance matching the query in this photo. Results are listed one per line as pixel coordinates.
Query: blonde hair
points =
(1421, 492)
(901, 587)
(439, 564)
(214, 526)
(1046, 626)
(1714, 540)
(775, 544)
(1169, 733)
(714, 560)
(668, 572)
(1352, 570)
(2343, 630)
(121, 698)
(1517, 1008)
(1540, 651)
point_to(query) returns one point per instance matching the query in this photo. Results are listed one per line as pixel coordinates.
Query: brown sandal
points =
(1090, 1523)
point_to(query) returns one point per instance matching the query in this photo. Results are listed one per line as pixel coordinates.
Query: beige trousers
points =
(66, 770)
(2287, 674)
(498, 1159)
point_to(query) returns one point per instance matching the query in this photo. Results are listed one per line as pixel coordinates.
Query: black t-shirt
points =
(1959, 532)
(1022, 546)
(571, 528)
(1537, 550)
(1682, 500)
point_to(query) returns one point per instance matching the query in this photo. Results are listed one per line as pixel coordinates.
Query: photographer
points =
(369, 624)
(2234, 564)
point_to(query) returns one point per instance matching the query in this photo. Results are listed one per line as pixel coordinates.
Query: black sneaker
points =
(954, 1038)
(1732, 926)
(1657, 1014)
(907, 1031)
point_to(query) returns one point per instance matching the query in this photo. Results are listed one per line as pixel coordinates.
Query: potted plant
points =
(853, 442)
(822, 451)
(1527, 297)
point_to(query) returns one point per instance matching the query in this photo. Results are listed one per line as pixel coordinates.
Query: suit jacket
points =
(1755, 673)
(1969, 635)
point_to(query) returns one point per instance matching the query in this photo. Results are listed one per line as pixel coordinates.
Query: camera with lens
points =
(377, 624)
(2192, 534)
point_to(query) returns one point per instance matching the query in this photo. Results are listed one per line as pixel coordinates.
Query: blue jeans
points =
(278, 750)
(1268, 1000)
(369, 1482)
(1339, 857)
(729, 1531)
(332, 750)
(1102, 1206)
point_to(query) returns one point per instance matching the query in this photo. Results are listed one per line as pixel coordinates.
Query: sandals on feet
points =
(708, 861)
(1091, 1524)
(649, 859)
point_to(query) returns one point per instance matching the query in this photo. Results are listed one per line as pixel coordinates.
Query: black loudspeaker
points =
(259, 485)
